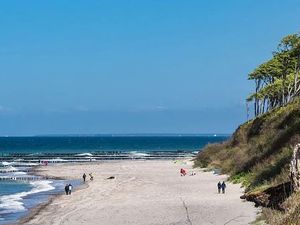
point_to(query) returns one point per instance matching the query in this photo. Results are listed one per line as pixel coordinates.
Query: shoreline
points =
(32, 212)
(137, 185)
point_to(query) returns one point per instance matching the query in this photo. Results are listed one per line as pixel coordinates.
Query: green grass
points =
(261, 147)
(242, 178)
(258, 156)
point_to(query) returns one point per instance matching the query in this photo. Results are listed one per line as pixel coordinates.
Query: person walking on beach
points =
(83, 177)
(67, 189)
(91, 176)
(219, 187)
(223, 187)
(70, 188)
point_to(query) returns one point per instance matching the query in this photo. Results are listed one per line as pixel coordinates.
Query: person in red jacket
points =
(182, 172)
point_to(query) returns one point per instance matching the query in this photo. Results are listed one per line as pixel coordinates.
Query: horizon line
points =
(123, 135)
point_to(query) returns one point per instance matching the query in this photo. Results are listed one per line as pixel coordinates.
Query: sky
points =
(98, 67)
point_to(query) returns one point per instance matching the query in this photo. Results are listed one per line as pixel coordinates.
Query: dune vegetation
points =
(259, 152)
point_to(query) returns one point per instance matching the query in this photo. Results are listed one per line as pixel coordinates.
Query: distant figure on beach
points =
(223, 187)
(67, 189)
(91, 176)
(219, 187)
(182, 172)
(70, 189)
(193, 173)
(83, 177)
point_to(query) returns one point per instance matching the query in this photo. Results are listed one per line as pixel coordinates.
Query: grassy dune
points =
(258, 156)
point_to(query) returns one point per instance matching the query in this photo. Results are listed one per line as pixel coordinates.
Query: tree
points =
(277, 81)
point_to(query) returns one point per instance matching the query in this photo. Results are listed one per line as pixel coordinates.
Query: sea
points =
(20, 190)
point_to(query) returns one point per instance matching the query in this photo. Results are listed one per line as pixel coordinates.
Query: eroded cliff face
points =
(273, 197)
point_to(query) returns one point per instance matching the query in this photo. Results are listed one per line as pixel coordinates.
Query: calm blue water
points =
(17, 197)
(105, 143)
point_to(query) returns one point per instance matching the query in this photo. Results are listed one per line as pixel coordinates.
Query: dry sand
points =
(144, 192)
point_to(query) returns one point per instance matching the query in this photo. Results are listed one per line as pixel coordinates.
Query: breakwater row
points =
(42, 158)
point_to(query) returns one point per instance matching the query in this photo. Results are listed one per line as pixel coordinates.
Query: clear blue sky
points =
(168, 66)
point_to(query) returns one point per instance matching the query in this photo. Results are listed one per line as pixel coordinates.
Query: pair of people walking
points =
(68, 189)
(221, 186)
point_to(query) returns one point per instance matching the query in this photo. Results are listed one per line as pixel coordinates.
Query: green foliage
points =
(259, 152)
(241, 178)
(277, 80)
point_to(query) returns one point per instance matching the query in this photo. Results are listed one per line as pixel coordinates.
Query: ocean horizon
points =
(108, 142)
(122, 135)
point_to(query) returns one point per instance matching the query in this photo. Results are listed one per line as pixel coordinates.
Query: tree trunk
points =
(296, 85)
(256, 104)
(295, 168)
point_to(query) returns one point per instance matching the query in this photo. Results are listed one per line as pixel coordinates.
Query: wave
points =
(24, 164)
(14, 203)
(85, 154)
(18, 160)
(54, 160)
(35, 153)
(138, 154)
(8, 169)
(3, 164)
(20, 173)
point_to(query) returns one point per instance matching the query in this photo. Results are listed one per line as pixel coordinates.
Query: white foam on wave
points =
(35, 153)
(89, 158)
(8, 169)
(138, 154)
(13, 175)
(85, 154)
(18, 160)
(18, 163)
(19, 173)
(54, 160)
(5, 163)
(13, 203)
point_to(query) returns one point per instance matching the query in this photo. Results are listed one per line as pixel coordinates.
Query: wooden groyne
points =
(20, 178)
(87, 157)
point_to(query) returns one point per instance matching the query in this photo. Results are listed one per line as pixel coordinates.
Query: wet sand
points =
(143, 193)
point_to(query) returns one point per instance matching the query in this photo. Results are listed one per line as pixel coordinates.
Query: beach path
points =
(144, 193)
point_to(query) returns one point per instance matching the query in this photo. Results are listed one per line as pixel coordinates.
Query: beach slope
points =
(144, 192)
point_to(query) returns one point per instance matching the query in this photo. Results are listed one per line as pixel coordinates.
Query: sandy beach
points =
(144, 192)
